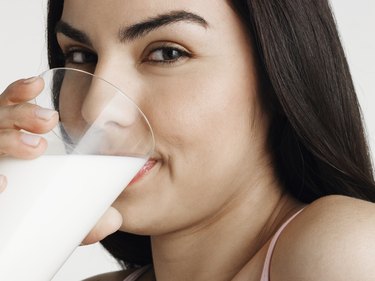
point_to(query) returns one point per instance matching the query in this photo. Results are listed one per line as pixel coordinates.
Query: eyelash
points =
(167, 50)
(68, 56)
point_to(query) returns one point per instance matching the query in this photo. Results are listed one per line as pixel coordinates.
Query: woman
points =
(256, 124)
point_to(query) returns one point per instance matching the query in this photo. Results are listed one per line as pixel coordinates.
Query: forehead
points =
(94, 13)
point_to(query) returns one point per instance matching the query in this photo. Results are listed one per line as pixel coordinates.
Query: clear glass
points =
(51, 203)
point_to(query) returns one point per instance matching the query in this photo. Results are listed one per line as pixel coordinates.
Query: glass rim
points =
(114, 86)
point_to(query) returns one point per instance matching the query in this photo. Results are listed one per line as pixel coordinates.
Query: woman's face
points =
(188, 64)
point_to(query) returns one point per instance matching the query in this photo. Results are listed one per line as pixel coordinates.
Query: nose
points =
(98, 118)
(105, 105)
(114, 124)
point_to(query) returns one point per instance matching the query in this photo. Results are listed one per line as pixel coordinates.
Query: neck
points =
(218, 248)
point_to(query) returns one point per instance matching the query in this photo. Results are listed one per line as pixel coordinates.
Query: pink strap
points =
(271, 247)
(136, 274)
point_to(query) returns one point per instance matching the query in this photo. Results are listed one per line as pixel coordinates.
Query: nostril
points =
(102, 108)
(111, 125)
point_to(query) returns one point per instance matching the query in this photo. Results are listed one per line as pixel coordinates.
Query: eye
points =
(166, 55)
(76, 56)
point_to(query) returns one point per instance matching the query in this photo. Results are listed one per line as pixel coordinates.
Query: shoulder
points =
(332, 239)
(111, 276)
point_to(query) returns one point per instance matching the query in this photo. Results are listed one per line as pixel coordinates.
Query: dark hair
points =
(316, 134)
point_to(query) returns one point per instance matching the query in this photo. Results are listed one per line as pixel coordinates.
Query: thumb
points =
(109, 223)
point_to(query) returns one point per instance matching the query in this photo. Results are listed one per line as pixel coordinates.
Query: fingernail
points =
(3, 183)
(31, 140)
(30, 80)
(45, 114)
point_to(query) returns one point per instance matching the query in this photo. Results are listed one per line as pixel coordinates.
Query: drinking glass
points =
(51, 203)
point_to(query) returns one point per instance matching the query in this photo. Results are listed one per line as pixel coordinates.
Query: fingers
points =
(16, 115)
(21, 91)
(3, 183)
(110, 222)
(29, 117)
(21, 145)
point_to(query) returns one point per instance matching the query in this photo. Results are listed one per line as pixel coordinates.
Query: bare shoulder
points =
(111, 276)
(332, 239)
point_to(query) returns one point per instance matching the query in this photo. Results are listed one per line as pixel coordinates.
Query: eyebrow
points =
(143, 28)
(135, 31)
(73, 33)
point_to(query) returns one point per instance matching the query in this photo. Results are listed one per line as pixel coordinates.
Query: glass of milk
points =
(51, 203)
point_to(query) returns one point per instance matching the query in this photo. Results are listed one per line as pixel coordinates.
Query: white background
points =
(23, 54)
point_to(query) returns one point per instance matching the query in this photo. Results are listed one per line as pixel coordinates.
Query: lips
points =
(144, 170)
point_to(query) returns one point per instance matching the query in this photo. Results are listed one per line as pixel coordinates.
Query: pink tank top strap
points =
(271, 247)
(136, 274)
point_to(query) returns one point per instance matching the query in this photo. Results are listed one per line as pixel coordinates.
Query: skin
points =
(211, 202)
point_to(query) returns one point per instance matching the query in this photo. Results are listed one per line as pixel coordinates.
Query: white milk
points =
(50, 205)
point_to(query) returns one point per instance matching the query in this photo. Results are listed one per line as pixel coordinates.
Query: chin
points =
(137, 219)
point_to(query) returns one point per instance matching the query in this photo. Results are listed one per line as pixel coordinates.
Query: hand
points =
(17, 114)
(109, 223)
(19, 118)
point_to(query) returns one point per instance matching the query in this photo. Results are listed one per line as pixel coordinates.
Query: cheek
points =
(70, 111)
(201, 105)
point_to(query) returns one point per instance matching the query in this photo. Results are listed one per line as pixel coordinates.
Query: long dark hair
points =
(316, 135)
